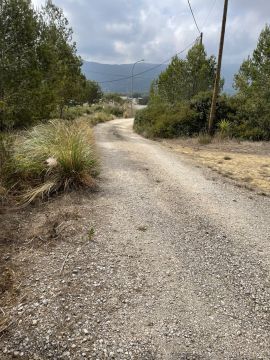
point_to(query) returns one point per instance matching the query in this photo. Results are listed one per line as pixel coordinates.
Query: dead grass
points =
(248, 163)
(51, 157)
(32, 232)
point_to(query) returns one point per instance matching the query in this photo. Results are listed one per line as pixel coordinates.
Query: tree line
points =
(180, 98)
(40, 70)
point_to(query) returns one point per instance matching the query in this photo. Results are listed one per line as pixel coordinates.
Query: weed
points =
(204, 139)
(91, 233)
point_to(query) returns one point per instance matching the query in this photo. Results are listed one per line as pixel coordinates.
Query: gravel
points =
(178, 267)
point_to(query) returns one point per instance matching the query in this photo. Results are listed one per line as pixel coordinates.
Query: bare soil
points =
(28, 233)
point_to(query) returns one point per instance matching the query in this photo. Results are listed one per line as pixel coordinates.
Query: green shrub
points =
(97, 107)
(52, 157)
(100, 117)
(114, 110)
(74, 112)
(163, 120)
(6, 146)
(114, 98)
(177, 121)
(246, 132)
(145, 119)
(6, 149)
(224, 127)
(201, 104)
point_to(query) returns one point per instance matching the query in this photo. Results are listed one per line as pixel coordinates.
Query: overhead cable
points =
(152, 68)
(192, 13)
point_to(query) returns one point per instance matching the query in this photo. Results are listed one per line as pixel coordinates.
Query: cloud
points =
(123, 31)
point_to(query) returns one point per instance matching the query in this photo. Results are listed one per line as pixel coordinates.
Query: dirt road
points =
(178, 267)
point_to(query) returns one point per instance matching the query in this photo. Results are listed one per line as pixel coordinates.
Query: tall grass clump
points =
(204, 138)
(52, 157)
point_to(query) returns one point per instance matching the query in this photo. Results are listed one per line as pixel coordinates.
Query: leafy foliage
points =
(40, 69)
(113, 98)
(92, 92)
(180, 98)
(184, 78)
(6, 148)
(253, 85)
(161, 119)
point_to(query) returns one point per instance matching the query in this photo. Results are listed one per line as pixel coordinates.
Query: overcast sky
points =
(123, 31)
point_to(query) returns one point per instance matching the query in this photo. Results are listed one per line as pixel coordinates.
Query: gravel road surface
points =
(178, 267)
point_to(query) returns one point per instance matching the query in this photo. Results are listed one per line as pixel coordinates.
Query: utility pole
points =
(217, 79)
(201, 38)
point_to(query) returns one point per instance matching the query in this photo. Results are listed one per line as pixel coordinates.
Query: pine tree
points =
(253, 84)
(184, 78)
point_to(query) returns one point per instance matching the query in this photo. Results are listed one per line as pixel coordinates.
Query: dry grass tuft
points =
(52, 157)
(204, 139)
(247, 163)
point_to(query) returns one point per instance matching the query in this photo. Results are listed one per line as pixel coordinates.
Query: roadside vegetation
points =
(47, 106)
(51, 157)
(54, 155)
(47, 78)
(180, 98)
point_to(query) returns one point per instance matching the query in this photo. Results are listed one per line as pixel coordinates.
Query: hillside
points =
(106, 72)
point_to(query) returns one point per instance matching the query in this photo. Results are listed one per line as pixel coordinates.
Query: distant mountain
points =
(105, 72)
(106, 75)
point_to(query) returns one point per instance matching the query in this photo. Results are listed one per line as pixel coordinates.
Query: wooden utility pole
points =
(217, 79)
(201, 38)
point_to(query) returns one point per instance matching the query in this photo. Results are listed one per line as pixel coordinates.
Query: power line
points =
(192, 13)
(116, 80)
(152, 68)
(105, 73)
(112, 74)
(209, 13)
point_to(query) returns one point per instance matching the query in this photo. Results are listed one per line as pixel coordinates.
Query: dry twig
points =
(64, 263)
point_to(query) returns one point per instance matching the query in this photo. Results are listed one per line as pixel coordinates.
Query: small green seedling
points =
(91, 233)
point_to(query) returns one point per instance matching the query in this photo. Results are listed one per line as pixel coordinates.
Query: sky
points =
(124, 31)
